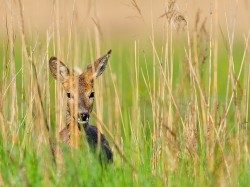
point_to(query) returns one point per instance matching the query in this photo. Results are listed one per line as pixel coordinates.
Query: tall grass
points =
(175, 111)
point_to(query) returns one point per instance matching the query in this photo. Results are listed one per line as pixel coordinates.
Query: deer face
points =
(79, 88)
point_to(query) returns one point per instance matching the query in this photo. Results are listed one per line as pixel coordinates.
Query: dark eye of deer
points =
(68, 95)
(92, 95)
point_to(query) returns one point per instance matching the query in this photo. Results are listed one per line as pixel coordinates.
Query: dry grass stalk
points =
(136, 6)
(28, 56)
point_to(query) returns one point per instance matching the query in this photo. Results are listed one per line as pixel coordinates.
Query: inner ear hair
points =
(100, 64)
(97, 68)
(63, 69)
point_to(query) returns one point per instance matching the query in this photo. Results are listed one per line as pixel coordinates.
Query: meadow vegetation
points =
(174, 106)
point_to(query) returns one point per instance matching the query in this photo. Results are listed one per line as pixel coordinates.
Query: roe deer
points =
(80, 99)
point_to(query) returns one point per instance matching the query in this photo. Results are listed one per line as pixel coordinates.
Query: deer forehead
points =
(78, 84)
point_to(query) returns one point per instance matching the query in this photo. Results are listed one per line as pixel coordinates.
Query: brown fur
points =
(79, 87)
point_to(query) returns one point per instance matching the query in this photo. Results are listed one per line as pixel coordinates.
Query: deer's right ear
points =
(62, 73)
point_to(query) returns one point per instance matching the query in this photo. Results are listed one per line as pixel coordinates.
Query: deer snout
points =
(83, 118)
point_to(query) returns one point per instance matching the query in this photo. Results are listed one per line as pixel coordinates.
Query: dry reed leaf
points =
(15, 139)
(1, 180)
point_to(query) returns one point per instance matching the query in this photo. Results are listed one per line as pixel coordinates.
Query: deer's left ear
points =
(98, 67)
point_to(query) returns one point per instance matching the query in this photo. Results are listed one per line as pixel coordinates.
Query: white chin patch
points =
(82, 122)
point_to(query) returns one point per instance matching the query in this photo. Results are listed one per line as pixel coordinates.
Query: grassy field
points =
(174, 107)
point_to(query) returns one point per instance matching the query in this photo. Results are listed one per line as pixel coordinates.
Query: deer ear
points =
(63, 72)
(98, 67)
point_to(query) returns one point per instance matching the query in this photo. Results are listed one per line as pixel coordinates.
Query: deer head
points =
(79, 88)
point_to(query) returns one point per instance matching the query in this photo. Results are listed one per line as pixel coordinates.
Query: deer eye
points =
(92, 95)
(68, 95)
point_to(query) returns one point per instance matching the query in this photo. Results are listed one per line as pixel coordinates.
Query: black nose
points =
(84, 116)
